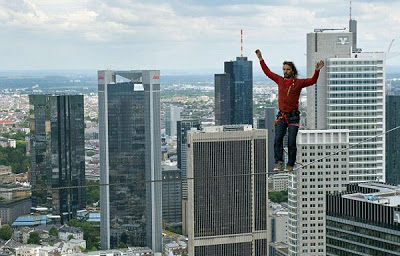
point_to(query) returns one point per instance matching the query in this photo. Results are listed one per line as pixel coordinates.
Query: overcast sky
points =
(184, 34)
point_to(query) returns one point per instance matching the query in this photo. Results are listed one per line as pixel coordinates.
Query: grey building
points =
(234, 93)
(130, 154)
(227, 199)
(57, 153)
(183, 127)
(171, 195)
(10, 210)
(267, 122)
(172, 115)
(393, 139)
(363, 221)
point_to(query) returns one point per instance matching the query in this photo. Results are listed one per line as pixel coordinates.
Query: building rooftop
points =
(383, 194)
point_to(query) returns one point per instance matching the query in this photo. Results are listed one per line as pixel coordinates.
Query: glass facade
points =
(183, 127)
(393, 139)
(130, 156)
(126, 153)
(57, 153)
(234, 93)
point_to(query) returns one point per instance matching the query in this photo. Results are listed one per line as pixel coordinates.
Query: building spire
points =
(241, 43)
(350, 9)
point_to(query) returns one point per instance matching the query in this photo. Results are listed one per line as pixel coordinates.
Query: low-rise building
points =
(278, 182)
(175, 249)
(65, 232)
(11, 209)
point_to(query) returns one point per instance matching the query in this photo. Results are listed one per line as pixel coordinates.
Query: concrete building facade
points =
(228, 209)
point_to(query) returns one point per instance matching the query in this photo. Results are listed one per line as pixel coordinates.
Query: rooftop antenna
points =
(241, 43)
(350, 9)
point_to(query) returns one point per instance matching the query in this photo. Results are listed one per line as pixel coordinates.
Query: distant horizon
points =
(168, 72)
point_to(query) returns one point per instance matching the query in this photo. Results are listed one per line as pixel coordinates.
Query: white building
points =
(65, 231)
(349, 94)
(278, 220)
(175, 249)
(309, 185)
(278, 182)
(28, 250)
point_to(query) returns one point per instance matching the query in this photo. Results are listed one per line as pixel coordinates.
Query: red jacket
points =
(289, 89)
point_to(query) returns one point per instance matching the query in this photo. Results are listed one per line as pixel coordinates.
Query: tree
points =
(53, 231)
(70, 237)
(122, 245)
(34, 238)
(278, 196)
(5, 232)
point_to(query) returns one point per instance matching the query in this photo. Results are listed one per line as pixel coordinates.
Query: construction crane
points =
(390, 45)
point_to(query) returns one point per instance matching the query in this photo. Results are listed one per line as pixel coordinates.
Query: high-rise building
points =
(171, 195)
(57, 153)
(309, 185)
(393, 139)
(183, 127)
(228, 191)
(234, 93)
(172, 115)
(363, 221)
(349, 94)
(130, 157)
(268, 123)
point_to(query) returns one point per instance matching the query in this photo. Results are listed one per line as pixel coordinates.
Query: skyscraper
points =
(183, 126)
(349, 94)
(234, 93)
(172, 115)
(227, 194)
(130, 154)
(309, 185)
(57, 153)
(172, 195)
(268, 123)
(393, 139)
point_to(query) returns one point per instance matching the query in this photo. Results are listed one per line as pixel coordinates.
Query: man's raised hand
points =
(319, 65)
(259, 56)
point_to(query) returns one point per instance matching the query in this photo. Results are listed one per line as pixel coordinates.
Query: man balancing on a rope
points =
(288, 118)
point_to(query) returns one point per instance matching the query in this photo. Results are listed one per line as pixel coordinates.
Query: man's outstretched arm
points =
(265, 68)
(310, 81)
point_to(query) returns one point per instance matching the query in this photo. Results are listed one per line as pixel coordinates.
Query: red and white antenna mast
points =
(350, 9)
(241, 43)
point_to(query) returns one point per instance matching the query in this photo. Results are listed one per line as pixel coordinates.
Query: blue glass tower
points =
(234, 93)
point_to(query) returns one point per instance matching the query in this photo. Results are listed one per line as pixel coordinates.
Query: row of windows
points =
(353, 88)
(353, 108)
(352, 75)
(354, 95)
(354, 62)
(367, 81)
(322, 147)
(350, 69)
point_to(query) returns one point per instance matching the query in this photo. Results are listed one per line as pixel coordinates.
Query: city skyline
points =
(186, 33)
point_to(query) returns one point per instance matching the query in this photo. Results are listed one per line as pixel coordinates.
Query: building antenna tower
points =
(241, 43)
(350, 9)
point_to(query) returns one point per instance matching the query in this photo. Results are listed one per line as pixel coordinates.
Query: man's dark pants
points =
(292, 125)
